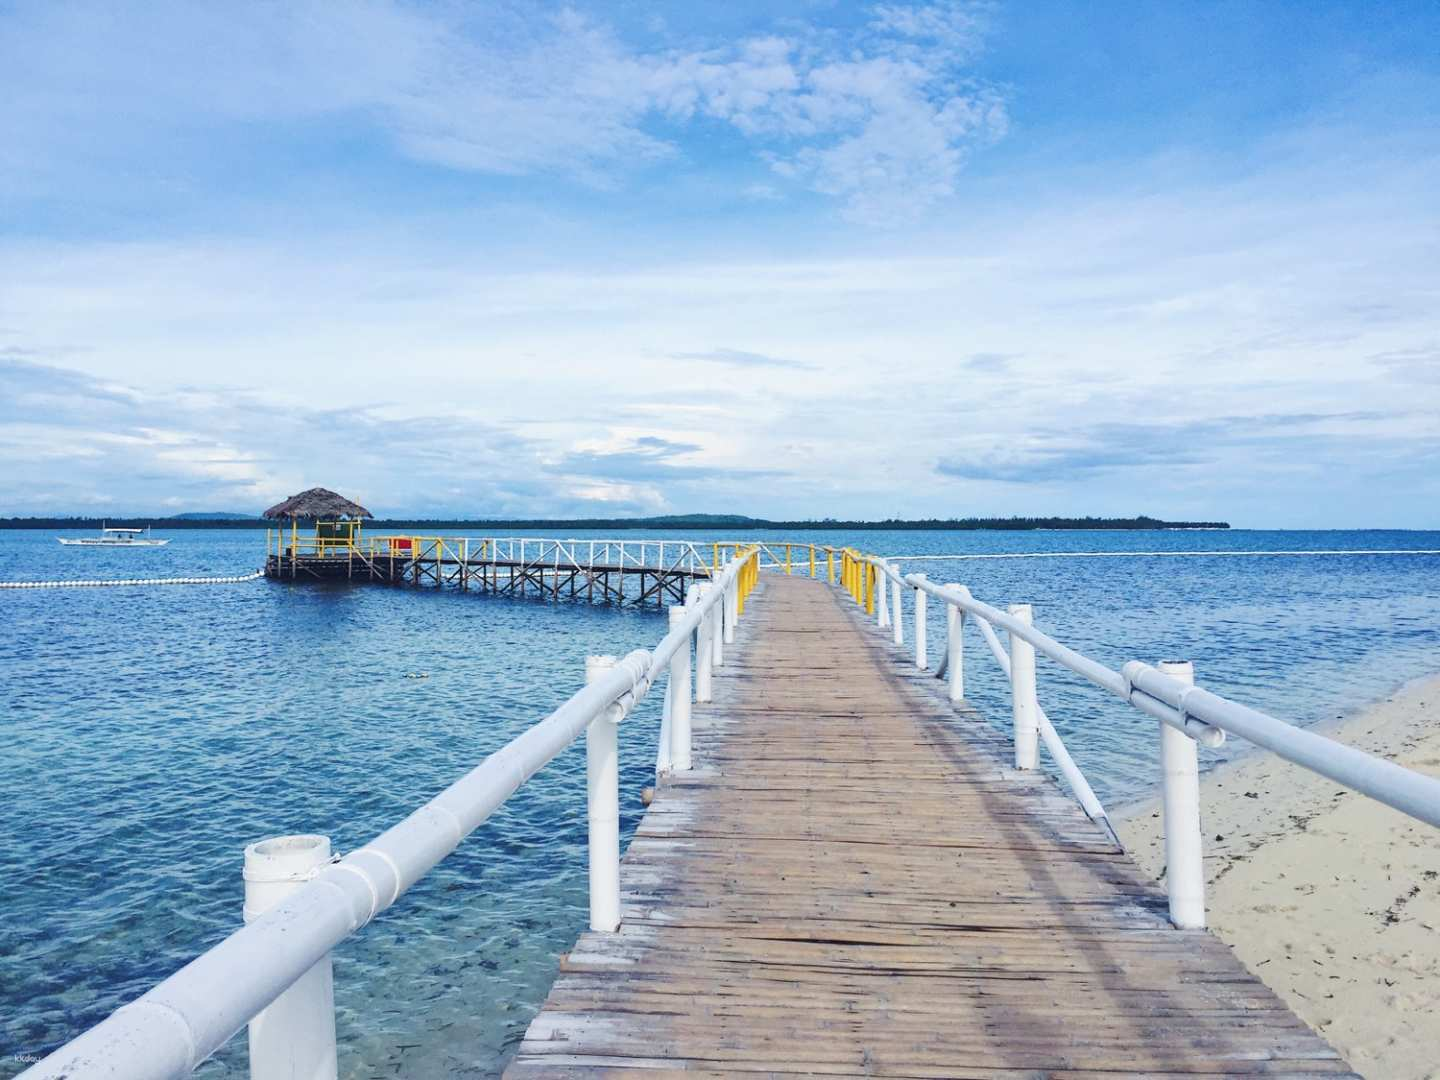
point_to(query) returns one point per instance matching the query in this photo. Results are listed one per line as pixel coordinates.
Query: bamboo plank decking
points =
(852, 881)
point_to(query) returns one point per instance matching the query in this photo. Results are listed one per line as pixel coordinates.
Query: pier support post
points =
(1022, 691)
(294, 1035)
(602, 789)
(1184, 853)
(882, 606)
(897, 619)
(677, 692)
(955, 647)
(922, 657)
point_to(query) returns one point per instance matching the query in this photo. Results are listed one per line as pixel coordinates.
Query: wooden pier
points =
(854, 881)
(636, 572)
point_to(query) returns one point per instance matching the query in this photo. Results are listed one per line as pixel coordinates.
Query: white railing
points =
(274, 972)
(1188, 715)
(572, 554)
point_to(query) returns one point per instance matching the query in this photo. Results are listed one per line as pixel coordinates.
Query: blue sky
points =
(809, 259)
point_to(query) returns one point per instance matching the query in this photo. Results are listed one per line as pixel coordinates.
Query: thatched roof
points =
(315, 504)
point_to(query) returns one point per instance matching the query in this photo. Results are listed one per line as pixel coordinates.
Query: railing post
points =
(882, 598)
(1184, 853)
(294, 1036)
(704, 651)
(717, 631)
(677, 692)
(922, 657)
(897, 620)
(1022, 691)
(830, 565)
(732, 607)
(955, 647)
(602, 789)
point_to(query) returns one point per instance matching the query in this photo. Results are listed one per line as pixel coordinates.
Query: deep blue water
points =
(152, 733)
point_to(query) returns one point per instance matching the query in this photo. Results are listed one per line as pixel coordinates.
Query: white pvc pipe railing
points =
(1188, 715)
(176, 1025)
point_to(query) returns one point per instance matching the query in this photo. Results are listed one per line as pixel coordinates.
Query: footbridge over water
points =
(637, 571)
(843, 871)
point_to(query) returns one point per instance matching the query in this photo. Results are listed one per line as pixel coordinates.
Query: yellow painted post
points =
(830, 565)
(715, 561)
(812, 561)
(870, 572)
(787, 558)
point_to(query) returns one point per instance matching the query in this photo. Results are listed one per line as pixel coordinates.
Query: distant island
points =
(724, 522)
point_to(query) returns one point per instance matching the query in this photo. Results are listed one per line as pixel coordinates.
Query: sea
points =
(152, 732)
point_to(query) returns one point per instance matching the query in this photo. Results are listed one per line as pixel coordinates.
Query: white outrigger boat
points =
(115, 538)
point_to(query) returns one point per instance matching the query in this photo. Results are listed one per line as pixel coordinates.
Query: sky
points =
(809, 259)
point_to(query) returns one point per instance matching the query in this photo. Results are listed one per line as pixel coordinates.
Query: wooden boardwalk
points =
(853, 882)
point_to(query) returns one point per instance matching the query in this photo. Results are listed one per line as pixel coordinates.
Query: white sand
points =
(1330, 898)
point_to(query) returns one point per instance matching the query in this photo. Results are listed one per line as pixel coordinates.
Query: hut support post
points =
(295, 1034)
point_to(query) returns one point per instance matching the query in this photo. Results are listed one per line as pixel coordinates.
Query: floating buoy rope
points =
(132, 581)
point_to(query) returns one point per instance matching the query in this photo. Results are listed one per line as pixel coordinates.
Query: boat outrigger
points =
(110, 537)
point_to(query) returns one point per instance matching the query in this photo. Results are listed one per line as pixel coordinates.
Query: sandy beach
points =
(1331, 898)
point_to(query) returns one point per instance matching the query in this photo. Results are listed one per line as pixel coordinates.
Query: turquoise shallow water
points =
(152, 733)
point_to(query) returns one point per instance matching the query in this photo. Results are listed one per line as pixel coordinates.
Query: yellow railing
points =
(748, 578)
(787, 556)
(858, 578)
(287, 544)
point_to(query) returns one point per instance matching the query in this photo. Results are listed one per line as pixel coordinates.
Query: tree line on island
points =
(727, 522)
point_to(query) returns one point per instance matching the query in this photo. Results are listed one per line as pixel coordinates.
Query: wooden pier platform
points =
(611, 583)
(853, 881)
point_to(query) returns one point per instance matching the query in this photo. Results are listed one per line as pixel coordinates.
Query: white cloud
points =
(879, 122)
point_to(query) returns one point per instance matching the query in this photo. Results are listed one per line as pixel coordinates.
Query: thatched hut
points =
(318, 504)
(337, 519)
